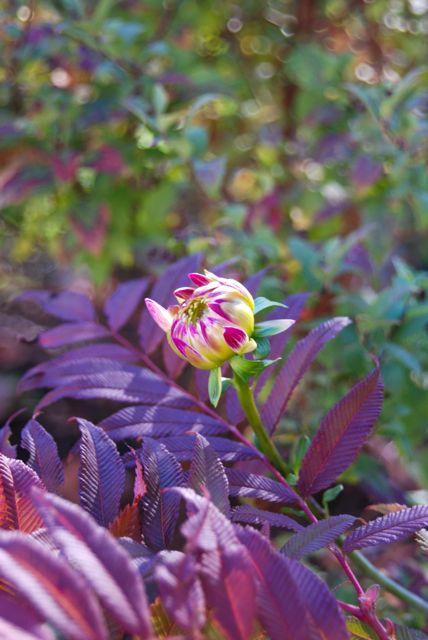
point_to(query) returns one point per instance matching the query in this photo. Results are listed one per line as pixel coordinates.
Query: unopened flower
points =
(211, 323)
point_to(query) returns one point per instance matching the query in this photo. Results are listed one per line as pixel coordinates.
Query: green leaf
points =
(215, 386)
(225, 384)
(271, 327)
(263, 348)
(359, 630)
(331, 494)
(246, 369)
(261, 304)
(300, 449)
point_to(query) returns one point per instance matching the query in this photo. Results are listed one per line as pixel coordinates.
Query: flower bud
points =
(211, 323)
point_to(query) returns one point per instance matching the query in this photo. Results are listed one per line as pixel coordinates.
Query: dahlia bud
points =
(211, 323)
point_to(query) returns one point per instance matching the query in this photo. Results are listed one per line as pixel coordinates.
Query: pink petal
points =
(198, 279)
(235, 338)
(188, 352)
(183, 293)
(216, 307)
(160, 315)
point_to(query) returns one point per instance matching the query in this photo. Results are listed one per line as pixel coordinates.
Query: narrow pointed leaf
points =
(51, 587)
(390, 528)
(214, 386)
(251, 515)
(101, 559)
(44, 459)
(316, 536)
(16, 509)
(207, 473)
(71, 333)
(342, 433)
(251, 485)
(17, 620)
(101, 473)
(122, 303)
(294, 368)
(160, 508)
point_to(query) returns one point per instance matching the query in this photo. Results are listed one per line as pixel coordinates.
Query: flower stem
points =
(246, 398)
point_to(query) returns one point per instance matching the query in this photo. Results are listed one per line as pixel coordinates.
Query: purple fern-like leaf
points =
(251, 485)
(390, 528)
(294, 368)
(71, 333)
(251, 515)
(307, 611)
(16, 509)
(44, 459)
(159, 421)
(107, 568)
(207, 473)
(17, 620)
(101, 473)
(180, 589)
(316, 536)
(160, 508)
(172, 278)
(50, 587)
(342, 433)
(124, 300)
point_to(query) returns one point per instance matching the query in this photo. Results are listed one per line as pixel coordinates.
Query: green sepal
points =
(302, 445)
(246, 369)
(263, 348)
(215, 386)
(225, 384)
(262, 304)
(292, 479)
(271, 327)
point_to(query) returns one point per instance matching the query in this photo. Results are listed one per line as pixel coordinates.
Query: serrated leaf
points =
(251, 485)
(387, 529)
(294, 368)
(19, 621)
(316, 536)
(404, 633)
(251, 515)
(44, 459)
(51, 587)
(101, 473)
(207, 473)
(16, 509)
(342, 433)
(100, 558)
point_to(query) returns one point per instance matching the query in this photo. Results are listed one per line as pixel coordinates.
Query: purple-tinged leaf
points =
(404, 633)
(230, 590)
(6, 448)
(44, 459)
(101, 474)
(226, 450)
(316, 536)
(34, 377)
(71, 333)
(133, 385)
(254, 281)
(51, 587)
(17, 620)
(342, 433)
(207, 473)
(69, 305)
(122, 303)
(158, 421)
(251, 485)
(201, 380)
(101, 559)
(294, 368)
(160, 508)
(180, 589)
(251, 515)
(16, 508)
(387, 529)
(173, 277)
(292, 603)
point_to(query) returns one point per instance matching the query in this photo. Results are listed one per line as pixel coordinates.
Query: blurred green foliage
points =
(287, 134)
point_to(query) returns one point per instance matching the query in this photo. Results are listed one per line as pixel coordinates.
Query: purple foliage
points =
(44, 459)
(72, 333)
(342, 433)
(251, 515)
(394, 526)
(101, 473)
(251, 485)
(316, 536)
(18, 620)
(295, 366)
(122, 303)
(207, 475)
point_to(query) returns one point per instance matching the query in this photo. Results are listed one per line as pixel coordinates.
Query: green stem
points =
(265, 444)
(380, 578)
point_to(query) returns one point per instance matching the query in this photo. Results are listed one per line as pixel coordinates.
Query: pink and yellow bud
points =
(212, 322)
